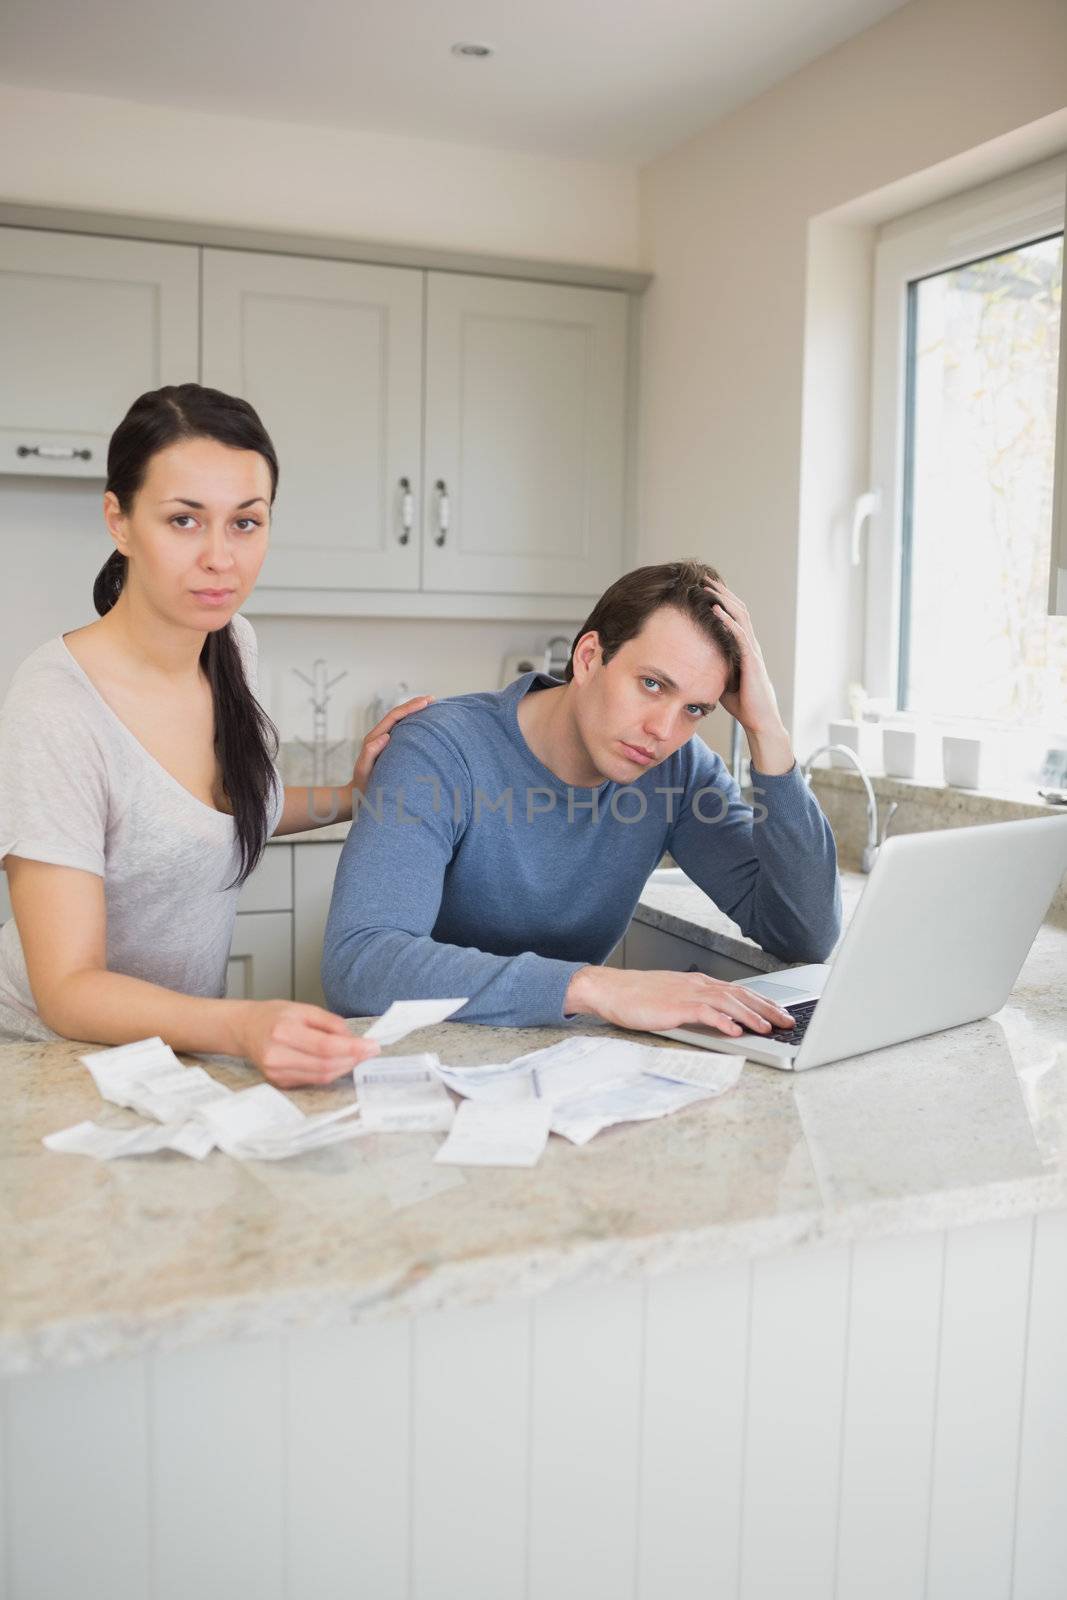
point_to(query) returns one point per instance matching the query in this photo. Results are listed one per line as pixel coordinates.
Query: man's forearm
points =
(794, 910)
(771, 752)
(774, 871)
(363, 972)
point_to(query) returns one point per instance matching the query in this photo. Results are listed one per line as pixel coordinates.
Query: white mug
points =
(962, 759)
(861, 737)
(898, 751)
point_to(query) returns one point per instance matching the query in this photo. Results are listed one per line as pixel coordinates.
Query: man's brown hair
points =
(622, 611)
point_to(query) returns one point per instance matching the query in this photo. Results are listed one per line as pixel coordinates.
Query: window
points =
(965, 369)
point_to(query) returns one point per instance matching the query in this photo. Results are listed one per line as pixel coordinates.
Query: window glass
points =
(976, 639)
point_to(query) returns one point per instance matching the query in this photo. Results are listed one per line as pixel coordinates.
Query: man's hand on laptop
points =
(650, 1000)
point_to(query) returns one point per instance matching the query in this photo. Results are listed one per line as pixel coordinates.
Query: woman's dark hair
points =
(622, 611)
(246, 740)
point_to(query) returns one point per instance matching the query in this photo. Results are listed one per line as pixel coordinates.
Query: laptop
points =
(938, 938)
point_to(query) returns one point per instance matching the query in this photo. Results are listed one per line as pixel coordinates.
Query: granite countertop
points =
(672, 902)
(106, 1259)
(330, 833)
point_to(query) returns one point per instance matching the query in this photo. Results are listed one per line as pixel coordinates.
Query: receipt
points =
(492, 1085)
(404, 1016)
(196, 1112)
(310, 1133)
(262, 1124)
(403, 1094)
(581, 1116)
(105, 1144)
(148, 1078)
(497, 1136)
(250, 1114)
(708, 1068)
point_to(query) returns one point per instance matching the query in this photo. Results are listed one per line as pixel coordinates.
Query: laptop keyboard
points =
(802, 1016)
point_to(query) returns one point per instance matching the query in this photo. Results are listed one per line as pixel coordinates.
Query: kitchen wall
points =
(96, 154)
(111, 155)
(53, 543)
(759, 233)
(438, 658)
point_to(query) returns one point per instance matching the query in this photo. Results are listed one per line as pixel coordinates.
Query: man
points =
(506, 838)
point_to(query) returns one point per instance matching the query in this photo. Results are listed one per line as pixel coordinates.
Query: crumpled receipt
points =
(404, 1016)
(584, 1084)
(196, 1113)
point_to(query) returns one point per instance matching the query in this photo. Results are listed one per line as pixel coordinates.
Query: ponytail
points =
(109, 582)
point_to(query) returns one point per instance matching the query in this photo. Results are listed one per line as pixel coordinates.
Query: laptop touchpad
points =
(780, 993)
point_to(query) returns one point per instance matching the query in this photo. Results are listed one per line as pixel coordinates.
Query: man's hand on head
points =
(649, 1000)
(754, 703)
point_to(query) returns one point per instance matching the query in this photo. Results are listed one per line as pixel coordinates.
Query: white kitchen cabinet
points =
(261, 954)
(261, 957)
(330, 354)
(525, 436)
(270, 887)
(281, 920)
(314, 872)
(86, 325)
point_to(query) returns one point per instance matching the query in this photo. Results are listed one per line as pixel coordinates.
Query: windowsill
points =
(1020, 800)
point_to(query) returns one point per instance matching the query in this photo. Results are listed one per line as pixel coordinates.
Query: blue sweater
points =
(471, 869)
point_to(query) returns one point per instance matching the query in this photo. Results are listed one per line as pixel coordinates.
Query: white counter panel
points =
(882, 1419)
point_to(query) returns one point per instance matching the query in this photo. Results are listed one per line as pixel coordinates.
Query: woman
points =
(137, 783)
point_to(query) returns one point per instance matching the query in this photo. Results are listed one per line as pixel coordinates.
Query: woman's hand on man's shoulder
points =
(378, 738)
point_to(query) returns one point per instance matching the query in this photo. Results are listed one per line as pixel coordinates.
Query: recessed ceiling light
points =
(477, 51)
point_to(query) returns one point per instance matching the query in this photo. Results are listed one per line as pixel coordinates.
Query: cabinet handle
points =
(407, 511)
(444, 512)
(54, 452)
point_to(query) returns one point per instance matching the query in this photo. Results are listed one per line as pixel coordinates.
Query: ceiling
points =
(614, 80)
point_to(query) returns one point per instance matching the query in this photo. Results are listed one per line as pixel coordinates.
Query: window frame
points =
(1019, 209)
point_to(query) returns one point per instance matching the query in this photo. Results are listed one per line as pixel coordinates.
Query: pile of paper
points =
(403, 1094)
(199, 1114)
(575, 1089)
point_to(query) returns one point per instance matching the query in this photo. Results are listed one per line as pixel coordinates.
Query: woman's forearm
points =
(110, 1008)
(314, 808)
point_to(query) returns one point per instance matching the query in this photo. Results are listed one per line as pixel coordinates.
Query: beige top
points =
(77, 789)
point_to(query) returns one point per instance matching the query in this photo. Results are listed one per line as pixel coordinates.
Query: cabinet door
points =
(86, 325)
(314, 871)
(525, 436)
(270, 886)
(330, 355)
(261, 957)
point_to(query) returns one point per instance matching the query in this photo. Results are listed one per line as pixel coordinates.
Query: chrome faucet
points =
(874, 839)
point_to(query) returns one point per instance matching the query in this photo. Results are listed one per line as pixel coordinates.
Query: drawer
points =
(270, 888)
